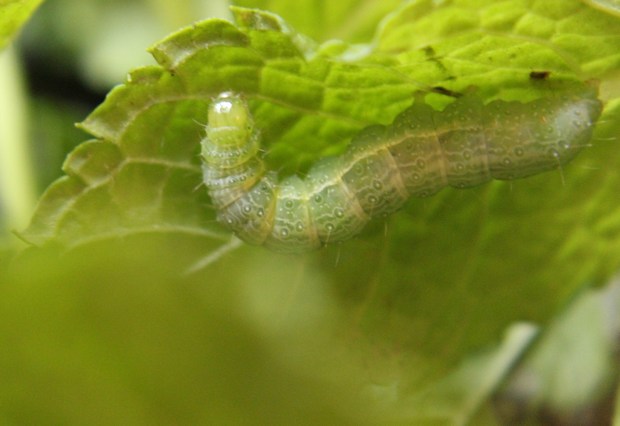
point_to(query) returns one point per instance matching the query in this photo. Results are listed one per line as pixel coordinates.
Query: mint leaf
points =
(436, 282)
(350, 20)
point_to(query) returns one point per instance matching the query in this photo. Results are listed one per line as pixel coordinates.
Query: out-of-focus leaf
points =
(573, 368)
(609, 6)
(53, 135)
(110, 39)
(458, 398)
(350, 20)
(111, 335)
(13, 14)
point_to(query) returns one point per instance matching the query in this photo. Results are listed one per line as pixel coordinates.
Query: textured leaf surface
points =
(439, 280)
(350, 20)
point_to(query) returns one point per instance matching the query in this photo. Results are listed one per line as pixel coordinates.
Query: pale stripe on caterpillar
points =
(421, 152)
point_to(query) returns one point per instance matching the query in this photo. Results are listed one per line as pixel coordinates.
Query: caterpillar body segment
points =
(421, 152)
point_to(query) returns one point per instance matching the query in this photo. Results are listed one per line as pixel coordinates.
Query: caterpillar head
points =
(230, 138)
(228, 109)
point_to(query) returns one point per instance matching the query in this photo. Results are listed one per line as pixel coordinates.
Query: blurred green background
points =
(152, 328)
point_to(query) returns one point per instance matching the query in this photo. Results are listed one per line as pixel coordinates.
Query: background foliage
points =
(136, 307)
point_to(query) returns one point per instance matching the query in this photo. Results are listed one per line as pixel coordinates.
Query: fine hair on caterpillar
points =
(421, 152)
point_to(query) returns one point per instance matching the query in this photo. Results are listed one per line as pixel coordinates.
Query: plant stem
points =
(17, 188)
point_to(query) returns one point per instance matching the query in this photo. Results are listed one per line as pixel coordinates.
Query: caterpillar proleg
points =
(421, 152)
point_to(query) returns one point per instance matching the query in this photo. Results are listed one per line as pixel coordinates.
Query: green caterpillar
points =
(421, 152)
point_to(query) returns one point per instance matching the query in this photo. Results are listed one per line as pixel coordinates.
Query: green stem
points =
(17, 188)
(616, 421)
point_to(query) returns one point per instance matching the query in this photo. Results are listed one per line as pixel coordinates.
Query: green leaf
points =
(350, 20)
(436, 282)
(86, 343)
(478, 41)
(585, 336)
(13, 14)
